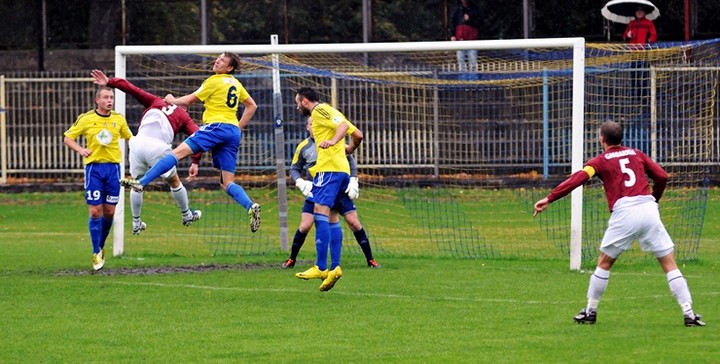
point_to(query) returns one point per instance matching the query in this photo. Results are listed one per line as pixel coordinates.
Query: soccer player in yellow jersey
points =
(331, 177)
(102, 129)
(304, 159)
(221, 95)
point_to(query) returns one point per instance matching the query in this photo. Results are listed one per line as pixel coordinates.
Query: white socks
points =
(180, 196)
(136, 201)
(596, 288)
(679, 288)
(676, 281)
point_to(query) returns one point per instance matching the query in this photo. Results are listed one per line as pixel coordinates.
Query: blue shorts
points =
(102, 183)
(329, 188)
(343, 206)
(222, 140)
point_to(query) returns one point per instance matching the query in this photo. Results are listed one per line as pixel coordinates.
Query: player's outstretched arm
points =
(100, 78)
(144, 97)
(541, 205)
(186, 100)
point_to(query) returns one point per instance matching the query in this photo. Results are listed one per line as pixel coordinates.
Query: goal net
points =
(452, 161)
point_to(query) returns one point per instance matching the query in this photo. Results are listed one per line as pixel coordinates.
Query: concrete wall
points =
(61, 60)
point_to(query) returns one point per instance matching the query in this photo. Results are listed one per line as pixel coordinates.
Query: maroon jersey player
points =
(159, 124)
(634, 216)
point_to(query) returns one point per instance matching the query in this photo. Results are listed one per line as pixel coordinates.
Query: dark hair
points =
(234, 59)
(308, 93)
(612, 131)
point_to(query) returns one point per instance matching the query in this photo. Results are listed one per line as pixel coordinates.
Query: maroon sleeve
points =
(575, 180)
(658, 175)
(145, 98)
(196, 158)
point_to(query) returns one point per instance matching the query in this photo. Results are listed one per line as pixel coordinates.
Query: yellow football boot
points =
(332, 277)
(312, 273)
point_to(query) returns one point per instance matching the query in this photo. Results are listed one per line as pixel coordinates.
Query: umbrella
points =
(623, 11)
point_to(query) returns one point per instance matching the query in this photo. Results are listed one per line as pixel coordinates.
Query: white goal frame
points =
(578, 95)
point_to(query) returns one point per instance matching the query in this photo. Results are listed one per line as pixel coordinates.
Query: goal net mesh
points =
(452, 162)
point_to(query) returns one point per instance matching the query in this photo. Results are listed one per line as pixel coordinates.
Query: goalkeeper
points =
(159, 124)
(304, 158)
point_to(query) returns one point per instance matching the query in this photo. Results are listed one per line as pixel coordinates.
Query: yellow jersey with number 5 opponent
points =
(221, 95)
(325, 121)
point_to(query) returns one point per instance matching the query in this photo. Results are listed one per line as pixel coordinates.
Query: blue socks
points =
(238, 194)
(106, 225)
(335, 244)
(162, 166)
(96, 227)
(298, 242)
(322, 240)
(99, 231)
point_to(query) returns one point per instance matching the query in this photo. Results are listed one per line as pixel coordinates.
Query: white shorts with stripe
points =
(145, 152)
(636, 218)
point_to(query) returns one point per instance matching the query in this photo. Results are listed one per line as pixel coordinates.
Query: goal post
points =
(576, 68)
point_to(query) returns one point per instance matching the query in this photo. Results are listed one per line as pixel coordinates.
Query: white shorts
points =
(638, 220)
(145, 152)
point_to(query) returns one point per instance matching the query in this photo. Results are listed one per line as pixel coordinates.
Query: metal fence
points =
(38, 108)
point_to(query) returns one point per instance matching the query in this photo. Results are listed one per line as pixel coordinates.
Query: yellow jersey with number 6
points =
(221, 95)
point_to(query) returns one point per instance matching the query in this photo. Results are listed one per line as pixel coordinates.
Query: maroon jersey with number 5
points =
(624, 172)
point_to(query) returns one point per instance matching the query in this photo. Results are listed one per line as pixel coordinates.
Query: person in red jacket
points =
(641, 30)
(465, 24)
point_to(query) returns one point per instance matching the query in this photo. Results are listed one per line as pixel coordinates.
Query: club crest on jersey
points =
(104, 137)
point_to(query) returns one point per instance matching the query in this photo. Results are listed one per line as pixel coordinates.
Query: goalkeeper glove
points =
(304, 186)
(353, 189)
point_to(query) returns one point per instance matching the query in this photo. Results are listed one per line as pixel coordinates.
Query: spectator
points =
(465, 25)
(641, 30)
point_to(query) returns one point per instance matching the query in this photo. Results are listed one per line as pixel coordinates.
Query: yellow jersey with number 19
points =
(221, 95)
(102, 134)
(325, 121)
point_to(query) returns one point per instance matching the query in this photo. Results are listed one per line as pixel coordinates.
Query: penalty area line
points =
(345, 293)
(398, 296)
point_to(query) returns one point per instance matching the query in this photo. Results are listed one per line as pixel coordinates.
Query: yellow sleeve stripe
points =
(589, 170)
(298, 150)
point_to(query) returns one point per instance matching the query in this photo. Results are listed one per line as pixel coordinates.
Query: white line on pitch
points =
(381, 295)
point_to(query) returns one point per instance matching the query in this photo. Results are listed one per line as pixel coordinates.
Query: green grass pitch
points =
(246, 309)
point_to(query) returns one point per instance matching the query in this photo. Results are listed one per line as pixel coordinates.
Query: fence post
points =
(3, 133)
